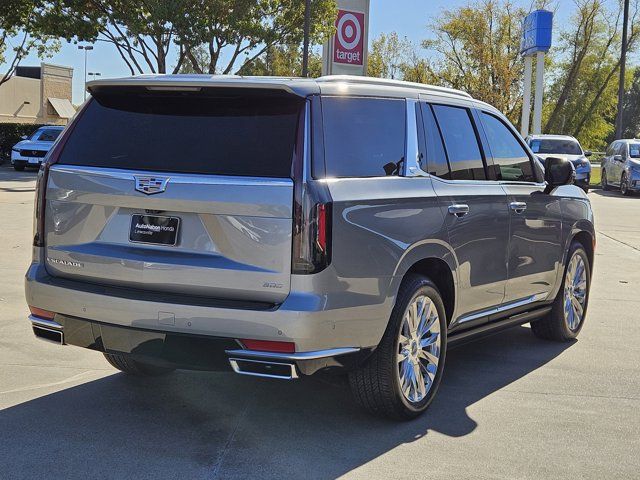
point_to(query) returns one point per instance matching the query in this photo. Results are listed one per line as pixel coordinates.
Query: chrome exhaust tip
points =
(47, 330)
(265, 369)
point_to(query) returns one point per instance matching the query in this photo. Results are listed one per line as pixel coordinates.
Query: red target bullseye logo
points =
(348, 42)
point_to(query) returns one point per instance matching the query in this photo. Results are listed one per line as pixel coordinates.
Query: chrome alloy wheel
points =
(419, 345)
(575, 292)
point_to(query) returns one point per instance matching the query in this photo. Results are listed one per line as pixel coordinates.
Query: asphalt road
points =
(510, 406)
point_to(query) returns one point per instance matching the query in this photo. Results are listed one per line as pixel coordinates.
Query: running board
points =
(486, 329)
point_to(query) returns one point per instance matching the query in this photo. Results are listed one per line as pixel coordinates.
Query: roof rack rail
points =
(391, 83)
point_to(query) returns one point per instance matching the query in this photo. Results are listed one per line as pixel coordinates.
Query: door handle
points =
(459, 210)
(518, 207)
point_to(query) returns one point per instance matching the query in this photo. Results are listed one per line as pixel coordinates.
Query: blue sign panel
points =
(536, 32)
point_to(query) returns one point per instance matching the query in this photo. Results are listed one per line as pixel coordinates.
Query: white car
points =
(30, 151)
(567, 148)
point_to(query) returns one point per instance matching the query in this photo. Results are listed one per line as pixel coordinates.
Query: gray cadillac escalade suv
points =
(280, 227)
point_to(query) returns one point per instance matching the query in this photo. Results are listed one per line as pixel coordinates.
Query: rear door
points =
(187, 193)
(475, 207)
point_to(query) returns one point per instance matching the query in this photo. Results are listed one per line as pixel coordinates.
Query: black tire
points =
(128, 365)
(624, 185)
(603, 181)
(376, 385)
(555, 326)
(18, 168)
(586, 189)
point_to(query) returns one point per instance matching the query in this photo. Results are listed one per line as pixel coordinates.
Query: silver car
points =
(567, 147)
(621, 166)
(281, 227)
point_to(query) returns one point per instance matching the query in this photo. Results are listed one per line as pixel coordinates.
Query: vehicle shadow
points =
(615, 192)
(214, 425)
(9, 175)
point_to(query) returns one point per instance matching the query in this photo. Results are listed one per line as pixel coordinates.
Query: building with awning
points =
(38, 95)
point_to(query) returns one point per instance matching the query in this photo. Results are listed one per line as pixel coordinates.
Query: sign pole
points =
(537, 103)
(526, 100)
(305, 47)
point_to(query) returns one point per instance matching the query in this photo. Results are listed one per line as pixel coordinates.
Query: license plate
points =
(34, 160)
(154, 229)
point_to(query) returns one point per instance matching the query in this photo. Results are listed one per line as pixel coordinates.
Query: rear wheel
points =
(402, 376)
(570, 306)
(603, 180)
(128, 365)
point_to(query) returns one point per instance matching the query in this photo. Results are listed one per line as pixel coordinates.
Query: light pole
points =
(623, 64)
(86, 48)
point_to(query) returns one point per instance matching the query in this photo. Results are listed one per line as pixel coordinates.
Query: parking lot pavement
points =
(510, 406)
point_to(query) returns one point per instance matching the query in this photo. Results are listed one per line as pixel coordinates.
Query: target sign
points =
(348, 43)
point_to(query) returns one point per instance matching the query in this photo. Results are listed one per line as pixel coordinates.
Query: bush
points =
(10, 134)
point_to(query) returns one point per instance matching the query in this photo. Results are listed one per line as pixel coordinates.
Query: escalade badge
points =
(151, 185)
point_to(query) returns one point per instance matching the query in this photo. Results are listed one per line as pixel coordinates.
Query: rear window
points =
(363, 137)
(221, 133)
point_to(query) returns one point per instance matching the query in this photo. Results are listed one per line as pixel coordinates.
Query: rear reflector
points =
(269, 346)
(40, 313)
(321, 237)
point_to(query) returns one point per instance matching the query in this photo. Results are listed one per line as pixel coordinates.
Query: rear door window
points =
(437, 163)
(461, 142)
(510, 157)
(210, 132)
(363, 137)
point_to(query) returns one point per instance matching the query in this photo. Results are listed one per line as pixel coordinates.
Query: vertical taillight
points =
(311, 252)
(52, 157)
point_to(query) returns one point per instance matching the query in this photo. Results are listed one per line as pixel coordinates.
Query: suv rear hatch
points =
(185, 191)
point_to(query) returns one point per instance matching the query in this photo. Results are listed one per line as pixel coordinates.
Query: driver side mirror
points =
(588, 153)
(618, 158)
(24, 137)
(558, 172)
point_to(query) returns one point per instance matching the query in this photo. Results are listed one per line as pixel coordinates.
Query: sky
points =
(408, 18)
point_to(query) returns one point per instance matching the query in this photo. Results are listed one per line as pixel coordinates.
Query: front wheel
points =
(566, 318)
(402, 376)
(624, 185)
(18, 168)
(128, 365)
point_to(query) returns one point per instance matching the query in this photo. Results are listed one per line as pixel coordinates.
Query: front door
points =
(535, 246)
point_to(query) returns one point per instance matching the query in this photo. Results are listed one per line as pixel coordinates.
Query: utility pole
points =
(307, 31)
(623, 64)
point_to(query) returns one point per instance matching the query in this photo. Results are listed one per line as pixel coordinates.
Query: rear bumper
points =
(193, 352)
(314, 322)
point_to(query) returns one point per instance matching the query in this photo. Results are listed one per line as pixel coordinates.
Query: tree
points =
(247, 29)
(20, 24)
(283, 61)
(477, 48)
(582, 97)
(631, 108)
(224, 32)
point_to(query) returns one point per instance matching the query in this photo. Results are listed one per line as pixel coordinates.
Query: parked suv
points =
(282, 227)
(621, 166)
(564, 146)
(31, 150)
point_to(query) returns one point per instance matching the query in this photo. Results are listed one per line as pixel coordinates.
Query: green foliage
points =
(631, 108)
(582, 98)
(283, 61)
(145, 32)
(477, 50)
(10, 134)
(21, 24)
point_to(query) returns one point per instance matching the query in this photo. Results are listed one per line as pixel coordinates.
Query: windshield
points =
(46, 134)
(634, 150)
(564, 147)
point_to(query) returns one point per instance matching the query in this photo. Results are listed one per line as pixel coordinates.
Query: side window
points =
(624, 150)
(461, 143)
(610, 150)
(436, 156)
(363, 137)
(509, 156)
